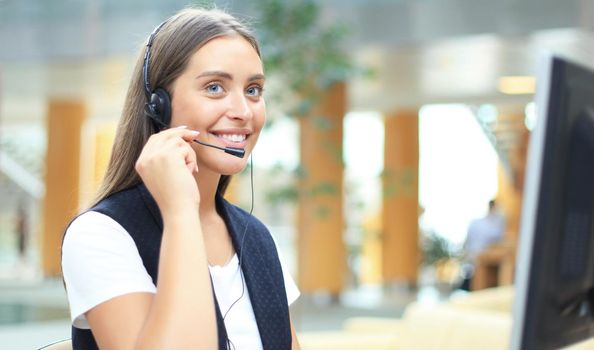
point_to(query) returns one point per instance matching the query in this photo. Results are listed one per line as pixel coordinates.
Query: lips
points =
(232, 138)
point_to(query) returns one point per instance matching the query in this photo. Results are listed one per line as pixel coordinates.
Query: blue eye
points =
(254, 91)
(214, 88)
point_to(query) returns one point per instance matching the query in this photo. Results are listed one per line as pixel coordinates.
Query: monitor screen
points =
(554, 302)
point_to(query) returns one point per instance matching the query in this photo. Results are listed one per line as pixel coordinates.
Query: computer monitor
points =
(554, 302)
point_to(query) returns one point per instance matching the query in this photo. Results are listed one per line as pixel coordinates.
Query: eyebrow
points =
(225, 75)
(257, 77)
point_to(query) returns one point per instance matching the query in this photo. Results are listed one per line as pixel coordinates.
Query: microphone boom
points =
(238, 152)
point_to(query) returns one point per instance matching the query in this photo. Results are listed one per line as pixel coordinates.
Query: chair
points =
(59, 345)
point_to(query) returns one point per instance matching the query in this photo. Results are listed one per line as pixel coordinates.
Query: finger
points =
(165, 147)
(181, 131)
(172, 136)
(172, 141)
(192, 168)
(190, 158)
(190, 135)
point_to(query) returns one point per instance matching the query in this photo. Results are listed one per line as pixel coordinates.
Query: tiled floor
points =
(34, 313)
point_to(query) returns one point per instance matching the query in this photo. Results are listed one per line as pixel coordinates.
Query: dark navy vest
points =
(136, 210)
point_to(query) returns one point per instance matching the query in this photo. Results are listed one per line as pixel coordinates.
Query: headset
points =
(158, 105)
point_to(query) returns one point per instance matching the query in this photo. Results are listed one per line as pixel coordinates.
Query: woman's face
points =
(220, 95)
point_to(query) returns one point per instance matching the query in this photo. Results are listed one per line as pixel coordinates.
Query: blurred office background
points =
(420, 113)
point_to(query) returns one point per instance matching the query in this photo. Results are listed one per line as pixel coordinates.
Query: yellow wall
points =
(96, 151)
(64, 121)
(321, 251)
(400, 228)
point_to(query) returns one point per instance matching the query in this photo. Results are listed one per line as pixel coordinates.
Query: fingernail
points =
(196, 132)
(181, 127)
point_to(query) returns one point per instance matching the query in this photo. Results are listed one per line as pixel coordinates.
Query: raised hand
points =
(167, 165)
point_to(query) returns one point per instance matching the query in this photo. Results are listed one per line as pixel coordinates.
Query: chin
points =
(221, 163)
(233, 168)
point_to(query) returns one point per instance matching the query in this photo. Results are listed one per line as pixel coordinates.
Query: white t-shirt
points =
(100, 261)
(484, 232)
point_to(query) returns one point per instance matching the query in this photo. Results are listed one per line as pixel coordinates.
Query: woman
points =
(162, 260)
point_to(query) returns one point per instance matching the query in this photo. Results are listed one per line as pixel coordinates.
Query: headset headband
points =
(147, 60)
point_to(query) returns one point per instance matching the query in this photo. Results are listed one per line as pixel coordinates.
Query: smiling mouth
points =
(232, 137)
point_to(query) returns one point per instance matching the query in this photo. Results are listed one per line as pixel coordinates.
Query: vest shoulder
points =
(237, 213)
(129, 196)
(134, 204)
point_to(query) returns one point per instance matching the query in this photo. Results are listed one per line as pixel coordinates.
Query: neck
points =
(207, 185)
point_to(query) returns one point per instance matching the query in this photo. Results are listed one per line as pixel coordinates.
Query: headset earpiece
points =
(159, 108)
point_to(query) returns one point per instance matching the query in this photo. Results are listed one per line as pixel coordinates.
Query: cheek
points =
(195, 112)
(179, 110)
(260, 116)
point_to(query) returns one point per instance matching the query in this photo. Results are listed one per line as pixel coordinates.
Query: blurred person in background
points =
(482, 233)
(161, 259)
(22, 230)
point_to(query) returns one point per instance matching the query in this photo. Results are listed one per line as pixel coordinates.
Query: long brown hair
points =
(177, 40)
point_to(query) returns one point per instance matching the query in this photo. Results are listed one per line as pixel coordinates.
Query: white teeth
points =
(232, 137)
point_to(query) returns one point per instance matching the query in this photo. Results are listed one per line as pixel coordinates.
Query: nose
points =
(239, 107)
